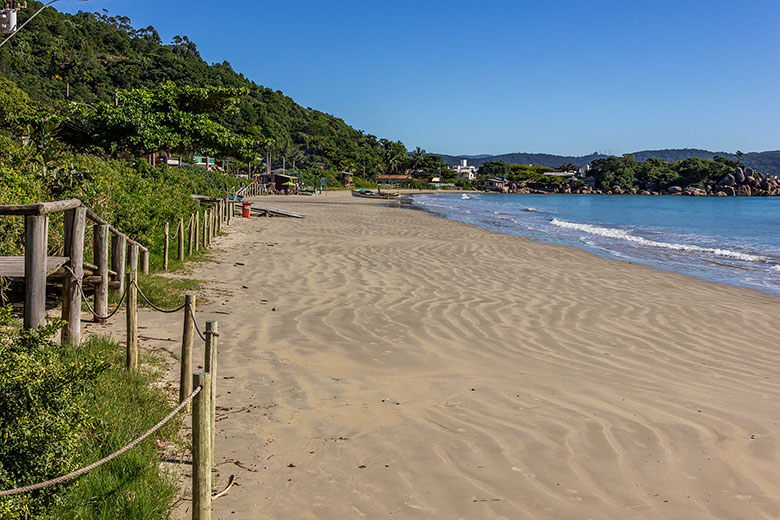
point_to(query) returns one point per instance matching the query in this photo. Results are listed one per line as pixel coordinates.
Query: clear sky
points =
(564, 77)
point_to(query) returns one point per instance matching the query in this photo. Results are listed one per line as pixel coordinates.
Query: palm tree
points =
(417, 157)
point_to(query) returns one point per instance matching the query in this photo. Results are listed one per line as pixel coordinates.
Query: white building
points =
(464, 171)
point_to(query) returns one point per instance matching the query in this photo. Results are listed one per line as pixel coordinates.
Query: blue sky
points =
(564, 77)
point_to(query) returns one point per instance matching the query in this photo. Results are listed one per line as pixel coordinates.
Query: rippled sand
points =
(383, 362)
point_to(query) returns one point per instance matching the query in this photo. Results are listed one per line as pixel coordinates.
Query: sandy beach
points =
(378, 361)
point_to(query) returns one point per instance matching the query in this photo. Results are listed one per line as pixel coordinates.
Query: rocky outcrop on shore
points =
(741, 183)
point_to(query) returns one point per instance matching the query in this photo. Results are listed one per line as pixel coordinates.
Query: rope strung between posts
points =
(195, 322)
(59, 480)
(80, 284)
(92, 311)
(153, 306)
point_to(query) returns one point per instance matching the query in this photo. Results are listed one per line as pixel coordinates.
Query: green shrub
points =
(64, 407)
(43, 417)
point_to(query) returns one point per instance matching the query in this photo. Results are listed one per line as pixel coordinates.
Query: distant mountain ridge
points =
(765, 162)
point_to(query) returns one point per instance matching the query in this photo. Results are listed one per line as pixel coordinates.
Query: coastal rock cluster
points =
(741, 183)
(746, 183)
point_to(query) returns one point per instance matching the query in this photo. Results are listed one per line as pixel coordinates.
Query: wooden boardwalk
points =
(12, 267)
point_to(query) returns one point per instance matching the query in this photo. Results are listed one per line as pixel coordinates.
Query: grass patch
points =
(122, 406)
(165, 291)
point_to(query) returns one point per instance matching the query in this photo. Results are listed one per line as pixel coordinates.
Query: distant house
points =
(276, 180)
(393, 179)
(464, 171)
(496, 183)
(560, 174)
(203, 161)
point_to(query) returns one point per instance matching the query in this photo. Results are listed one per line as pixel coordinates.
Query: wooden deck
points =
(268, 211)
(12, 267)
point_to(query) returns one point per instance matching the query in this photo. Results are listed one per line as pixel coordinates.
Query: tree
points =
(417, 155)
(567, 167)
(497, 169)
(166, 118)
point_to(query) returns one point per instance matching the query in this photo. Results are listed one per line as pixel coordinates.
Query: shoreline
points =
(645, 262)
(376, 361)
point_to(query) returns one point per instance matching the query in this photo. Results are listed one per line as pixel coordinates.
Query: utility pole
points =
(8, 18)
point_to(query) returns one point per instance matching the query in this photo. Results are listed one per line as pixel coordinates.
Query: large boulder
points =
(694, 192)
(672, 190)
(739, 175)
(644, 192)
(728, 190)
(728, 180)
(744, 191)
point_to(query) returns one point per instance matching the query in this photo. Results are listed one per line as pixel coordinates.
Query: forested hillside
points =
(765, 162)
(89, 56)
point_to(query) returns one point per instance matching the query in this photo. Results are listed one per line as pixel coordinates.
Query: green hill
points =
(90, 56)
(765, 162)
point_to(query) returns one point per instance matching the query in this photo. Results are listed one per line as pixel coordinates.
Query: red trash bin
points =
(246, 209)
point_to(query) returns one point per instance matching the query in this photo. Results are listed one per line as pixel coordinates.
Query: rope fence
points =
(92, 311)
(153, 306)
(77, 473)
(195, 322)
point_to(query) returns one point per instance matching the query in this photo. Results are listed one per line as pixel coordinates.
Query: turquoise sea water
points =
(733, 240)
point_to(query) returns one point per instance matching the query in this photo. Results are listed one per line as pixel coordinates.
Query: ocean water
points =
(734, 240)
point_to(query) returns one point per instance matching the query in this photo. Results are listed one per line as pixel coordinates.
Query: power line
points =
(27, 21)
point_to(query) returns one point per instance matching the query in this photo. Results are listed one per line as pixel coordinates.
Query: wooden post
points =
(132, 321)
(75, 220)
(201, 444)
(181, 240)
(210, 362)
(36, 231)
(185, 380)
(118, 246)
(100, 234)
(191, 241)
(229, 210)
(206, 227)
(132, 257)
(166, 232)
(197, 230)
(144, 261)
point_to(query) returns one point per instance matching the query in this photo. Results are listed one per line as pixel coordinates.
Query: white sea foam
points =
(464, 196)
(622, 234)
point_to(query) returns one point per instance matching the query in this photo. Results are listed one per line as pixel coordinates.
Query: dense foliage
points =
(91, 56)
(655, 174)
(521, 174)
(65, 407)
(43, 415)
(133, 196)
(625, 172)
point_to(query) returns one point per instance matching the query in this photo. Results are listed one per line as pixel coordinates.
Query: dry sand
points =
(378, 361)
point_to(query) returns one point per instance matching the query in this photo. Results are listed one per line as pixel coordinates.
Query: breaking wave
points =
(622, 234)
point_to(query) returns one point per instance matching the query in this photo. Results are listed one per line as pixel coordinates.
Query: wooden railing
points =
(38, 265)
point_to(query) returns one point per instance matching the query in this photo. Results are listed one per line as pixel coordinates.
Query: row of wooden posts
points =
(198, 233)
(127, 253)
(38, 265)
